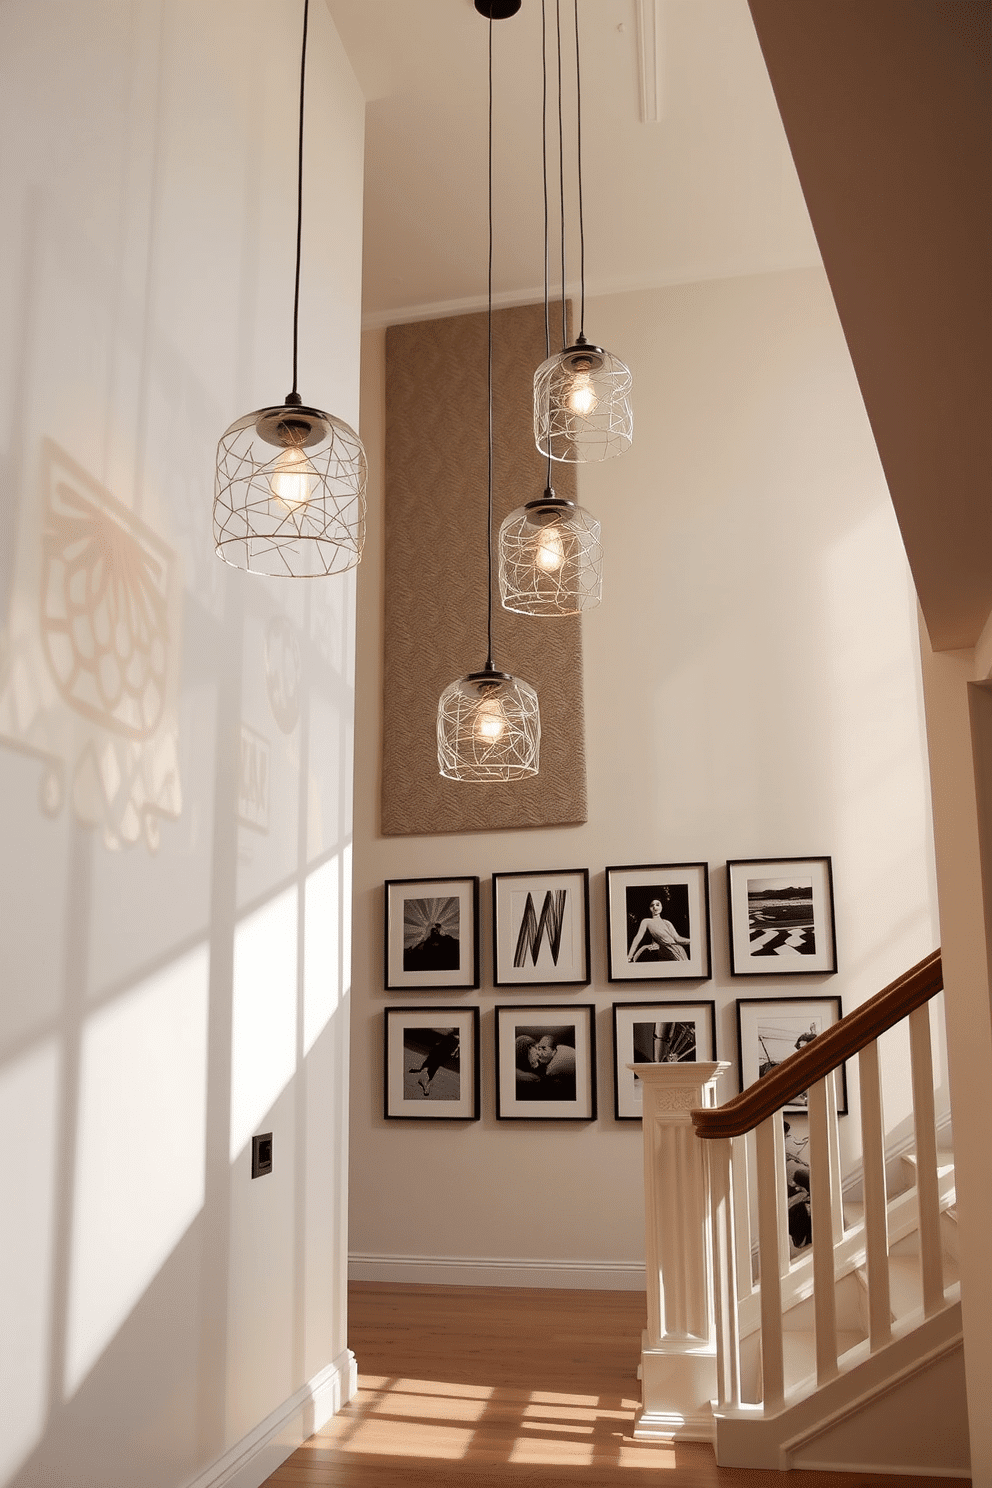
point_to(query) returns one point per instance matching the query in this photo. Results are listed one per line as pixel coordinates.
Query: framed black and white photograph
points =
(769, 1029)
(432, 934)
(658, 922)
(431, 1063)
(656, 1033)
(781, 913)
(546, 1062)
(541, 928)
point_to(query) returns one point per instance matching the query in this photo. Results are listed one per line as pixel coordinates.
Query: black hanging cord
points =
(578, 159)
(561, 174)
(294, 395)
(489, 526)
(544, 174)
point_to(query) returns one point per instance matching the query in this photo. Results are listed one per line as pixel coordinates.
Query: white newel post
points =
(678, 1349)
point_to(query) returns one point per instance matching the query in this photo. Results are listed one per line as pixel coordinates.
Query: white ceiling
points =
(708, 191)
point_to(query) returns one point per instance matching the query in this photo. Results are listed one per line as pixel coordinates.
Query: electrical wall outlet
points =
(261, 1155)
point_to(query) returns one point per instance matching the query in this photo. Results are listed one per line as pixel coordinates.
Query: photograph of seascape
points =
(780, 917)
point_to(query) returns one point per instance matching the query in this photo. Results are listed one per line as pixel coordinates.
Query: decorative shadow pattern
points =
(88, 665)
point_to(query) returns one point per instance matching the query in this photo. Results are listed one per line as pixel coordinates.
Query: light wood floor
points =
(466, 1387)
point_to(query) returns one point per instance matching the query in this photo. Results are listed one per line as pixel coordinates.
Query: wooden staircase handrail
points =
(827, 1052)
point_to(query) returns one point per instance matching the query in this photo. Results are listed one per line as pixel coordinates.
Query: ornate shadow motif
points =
(91, 672)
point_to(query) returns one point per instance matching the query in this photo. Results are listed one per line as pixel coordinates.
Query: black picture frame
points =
(672, 944)
(546, 1062)
(769, 1029)
(781, 917)
(444, 1042)
(543, 916)
(445, 913)
(681, 1032)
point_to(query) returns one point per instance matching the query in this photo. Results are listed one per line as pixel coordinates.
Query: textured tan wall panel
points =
(435, 530)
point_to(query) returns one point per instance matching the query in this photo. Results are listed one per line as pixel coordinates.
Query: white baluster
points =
(824, 1293)
(742, 1167)
(725, 1286)
(931, 1259)
(875, 1198)
(834, 1088)
(770, 1163)
(782, 1199)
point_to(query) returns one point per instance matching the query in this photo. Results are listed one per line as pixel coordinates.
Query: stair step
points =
(799, 1352)
(945, 1162)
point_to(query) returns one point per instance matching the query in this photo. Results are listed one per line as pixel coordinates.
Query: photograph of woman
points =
(662, 934)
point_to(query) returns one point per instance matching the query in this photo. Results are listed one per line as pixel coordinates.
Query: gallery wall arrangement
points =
(780, 920)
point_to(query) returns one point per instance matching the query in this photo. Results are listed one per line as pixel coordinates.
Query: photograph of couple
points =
(545, 1063)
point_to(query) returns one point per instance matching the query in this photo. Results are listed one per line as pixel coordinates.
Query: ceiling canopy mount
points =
(497, 10)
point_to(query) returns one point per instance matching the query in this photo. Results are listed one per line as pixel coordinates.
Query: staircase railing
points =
(759, 1109)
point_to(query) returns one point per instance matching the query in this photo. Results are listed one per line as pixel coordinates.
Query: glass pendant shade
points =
(488, 728)
(582, 405)
(290, 493)
(550, 559)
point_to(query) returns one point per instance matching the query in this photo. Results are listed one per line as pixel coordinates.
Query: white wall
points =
(752, 689)
(172, 981)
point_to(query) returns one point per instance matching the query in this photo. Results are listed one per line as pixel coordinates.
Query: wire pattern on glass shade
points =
(488, 728)
(550, 559)
(582, 405)
(294, 508)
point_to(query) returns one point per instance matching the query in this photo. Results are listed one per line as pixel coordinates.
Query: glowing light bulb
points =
(550, 554)
(490, 721)
(293, 479)
(581, 397)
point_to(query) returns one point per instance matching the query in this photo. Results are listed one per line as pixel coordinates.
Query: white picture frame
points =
(541, 928)
(431, 1063)
(431, 934)
(546, 1062)
(781, 917)
(656, 1033)
(668, 943)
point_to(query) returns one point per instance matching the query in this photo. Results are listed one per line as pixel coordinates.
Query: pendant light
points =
(582, 394)
(550, 555)
(290, 490)
(489, 723)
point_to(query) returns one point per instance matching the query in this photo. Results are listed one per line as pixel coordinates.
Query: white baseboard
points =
(873, 1467)
(256, 1456)
(607, 1276)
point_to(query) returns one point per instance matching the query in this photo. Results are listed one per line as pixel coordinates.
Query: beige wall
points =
(959, 727)
(172, 980)
(752, 688)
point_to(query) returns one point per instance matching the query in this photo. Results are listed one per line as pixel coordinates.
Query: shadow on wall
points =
(89, 658)
(175, 767)
(158, 1307)
(176, 883)
(139, 1359)
(165, 1025)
